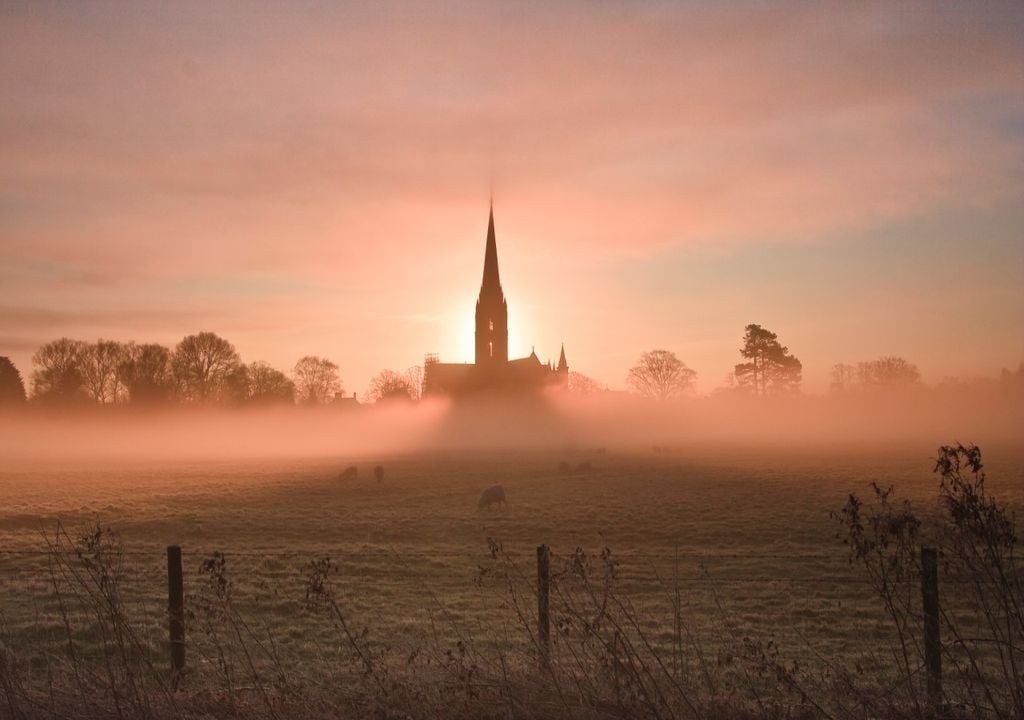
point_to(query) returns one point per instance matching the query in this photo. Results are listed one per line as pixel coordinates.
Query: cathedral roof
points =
(530, 360)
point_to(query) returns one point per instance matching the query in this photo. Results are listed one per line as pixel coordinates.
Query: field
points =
(743, 534)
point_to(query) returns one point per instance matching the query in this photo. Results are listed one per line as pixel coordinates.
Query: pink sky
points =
(315, 179)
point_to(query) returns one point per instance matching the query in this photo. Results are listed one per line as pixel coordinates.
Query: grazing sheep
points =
(378, 472)
(564, 468)
(584, 466)
(350, 473)
(490, 496)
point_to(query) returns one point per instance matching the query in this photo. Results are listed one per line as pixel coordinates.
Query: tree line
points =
(206, 369)
(202, 369)
(768, 368)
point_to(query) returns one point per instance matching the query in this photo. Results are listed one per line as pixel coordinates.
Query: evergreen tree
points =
(12, 389)
(770, 368)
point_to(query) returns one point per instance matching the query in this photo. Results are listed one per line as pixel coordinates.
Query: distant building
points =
(346, 401)
(492, 371)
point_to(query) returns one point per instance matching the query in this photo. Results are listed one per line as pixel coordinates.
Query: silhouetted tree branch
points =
(268, 386)
(390, 385)
(100, 362)
(202, 365)
(316, 380)
(583, 384)
(12, 389)
(57, 378)
(661, 375)
(885, 373)
(145, 373)
(414, 376)
(770, 368)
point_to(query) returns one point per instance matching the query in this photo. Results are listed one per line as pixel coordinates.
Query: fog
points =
(611, 420)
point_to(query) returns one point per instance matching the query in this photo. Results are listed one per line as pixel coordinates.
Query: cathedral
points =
(492, 371)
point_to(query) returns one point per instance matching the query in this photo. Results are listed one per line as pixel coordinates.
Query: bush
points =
(982, 621)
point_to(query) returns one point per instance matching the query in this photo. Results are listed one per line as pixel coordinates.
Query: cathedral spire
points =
(491, 280)
(562, 364)
(491, 308)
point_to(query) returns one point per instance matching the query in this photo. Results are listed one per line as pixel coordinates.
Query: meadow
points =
(712, 551)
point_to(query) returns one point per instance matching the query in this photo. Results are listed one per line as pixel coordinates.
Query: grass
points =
(415, 590)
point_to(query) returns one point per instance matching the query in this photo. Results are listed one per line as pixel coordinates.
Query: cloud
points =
(170, 158)
(15, 319)
(669, 124)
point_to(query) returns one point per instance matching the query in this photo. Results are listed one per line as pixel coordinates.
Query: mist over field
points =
(612, 420)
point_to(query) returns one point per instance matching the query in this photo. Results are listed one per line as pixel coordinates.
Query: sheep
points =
(378, 472)
(584, 466)
(490, 496)
(350, 473)
(564, 468)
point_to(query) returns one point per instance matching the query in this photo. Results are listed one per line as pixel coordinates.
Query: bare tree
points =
(887, 372)
(661, 375)
(12, 389)
(414, 376)
(145, 373)
(844, 377)
(268, 386)
(770, 368)
(316, 380)
(729, 385)
(584, 384)
(390, 385)
(99, 363)
(236, 386)
(202, 365)
(57, 377)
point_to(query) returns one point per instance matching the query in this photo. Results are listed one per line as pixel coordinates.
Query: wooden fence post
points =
(932, 641)
(544, 604)
(677, 634)
(176, 610)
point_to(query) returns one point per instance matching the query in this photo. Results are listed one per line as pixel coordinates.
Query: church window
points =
(491, 324)
(490, 347)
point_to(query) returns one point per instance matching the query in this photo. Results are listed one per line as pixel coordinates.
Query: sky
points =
(314, 178)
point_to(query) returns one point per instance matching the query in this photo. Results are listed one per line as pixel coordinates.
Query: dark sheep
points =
(378, 472)
(350, 473)
(495, 494)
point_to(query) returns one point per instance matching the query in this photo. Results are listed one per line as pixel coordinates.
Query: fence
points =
(646, 577)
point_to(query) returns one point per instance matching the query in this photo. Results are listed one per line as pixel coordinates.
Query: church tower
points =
(491, 309)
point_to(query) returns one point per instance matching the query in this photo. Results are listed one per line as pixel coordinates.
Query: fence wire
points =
(814, 604)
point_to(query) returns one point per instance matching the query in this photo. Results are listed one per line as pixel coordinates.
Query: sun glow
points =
(462, 322)
(462, 344)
